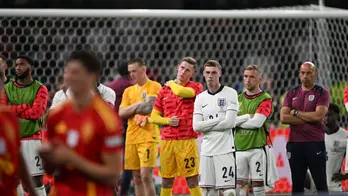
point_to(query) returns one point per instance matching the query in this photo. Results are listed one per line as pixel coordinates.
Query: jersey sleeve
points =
(158, 103)
(198, 106)
(109, 96)
(265, 108)
(155, 89)
(125, 98)
(345, 96)
(112, 135)
(287, 100)
(324, 99)
(197, 87)
(37, 110)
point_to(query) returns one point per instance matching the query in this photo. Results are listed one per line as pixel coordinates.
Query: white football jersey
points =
(211, 106)
(336, 142)
(105, 92)
(336, 150)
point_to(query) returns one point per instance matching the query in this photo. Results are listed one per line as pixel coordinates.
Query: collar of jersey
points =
(253, 96)
(22, 85)
(219, 90)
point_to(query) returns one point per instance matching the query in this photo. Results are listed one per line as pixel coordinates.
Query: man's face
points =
(3, 64)
(23, 68)
(331, 119)
(251, 79)
(78, 78)
(136, 72)
(307, 74)
(185, 71)
(211, 75)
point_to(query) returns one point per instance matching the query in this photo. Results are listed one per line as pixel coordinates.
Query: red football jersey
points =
(345, 99)
(89, 133)
(171, 105)
(9, 152)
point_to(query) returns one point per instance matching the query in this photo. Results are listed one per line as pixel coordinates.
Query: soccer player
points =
(250, 137)
(215, 113)
(304, 109)
(336, 143)
(84, 135)
(142, 137)
(174, 110)
(345, 99)
(27, 98)
(12, 162)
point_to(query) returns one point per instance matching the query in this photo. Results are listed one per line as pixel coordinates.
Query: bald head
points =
(308, 74)
(310, 65)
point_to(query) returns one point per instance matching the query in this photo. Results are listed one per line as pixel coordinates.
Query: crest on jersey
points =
(311, 97)
(221, 102)
(73, 138)
(143, 95)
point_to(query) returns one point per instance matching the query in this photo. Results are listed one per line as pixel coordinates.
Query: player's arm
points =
(320, 111)
(241, 119)
(199, 124)
(345, 99)
(184, 92)
(285, 116)
(25, 177)
(264, 111)
(157, 118)
(16, 109)
(37, 110)
(146, 106)
(230, 117)
(126, 109)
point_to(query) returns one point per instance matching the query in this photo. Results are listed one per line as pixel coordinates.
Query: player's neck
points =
(142, 81)
(254, 91)
(307, 87)
(331, 129)
(82, 100)
(182, 83)
(213, 88)
(25, 81)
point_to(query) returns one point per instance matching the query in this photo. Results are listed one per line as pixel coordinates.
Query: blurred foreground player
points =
(174, 109)
(84, 135)
(304, 109)
(27, 98)
(3, 67)
(12, 161)
(142, 137)
(215, 115)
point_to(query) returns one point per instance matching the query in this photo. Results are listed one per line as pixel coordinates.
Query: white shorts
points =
(249, 163)
(33, 160)
(218, 172)
(334, 165)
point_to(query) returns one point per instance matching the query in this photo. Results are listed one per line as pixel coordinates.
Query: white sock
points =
(20, 191)
(259, 191)
(41, 191)
(241, 190)
(213, 192)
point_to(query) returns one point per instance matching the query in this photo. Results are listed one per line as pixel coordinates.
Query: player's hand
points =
(140, 120)
(174, 121)
(168, 82)
(252, 115)
(60, 154)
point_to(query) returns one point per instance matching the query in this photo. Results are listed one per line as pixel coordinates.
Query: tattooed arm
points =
(146, 106)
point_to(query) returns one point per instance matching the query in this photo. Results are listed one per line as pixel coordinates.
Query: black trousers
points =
(303, 156)
(126, 174)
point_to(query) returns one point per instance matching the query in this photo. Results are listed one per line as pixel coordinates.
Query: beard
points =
(24, 74)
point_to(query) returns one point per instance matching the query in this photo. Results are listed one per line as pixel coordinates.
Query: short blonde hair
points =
(254, 67)
(212, 63)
